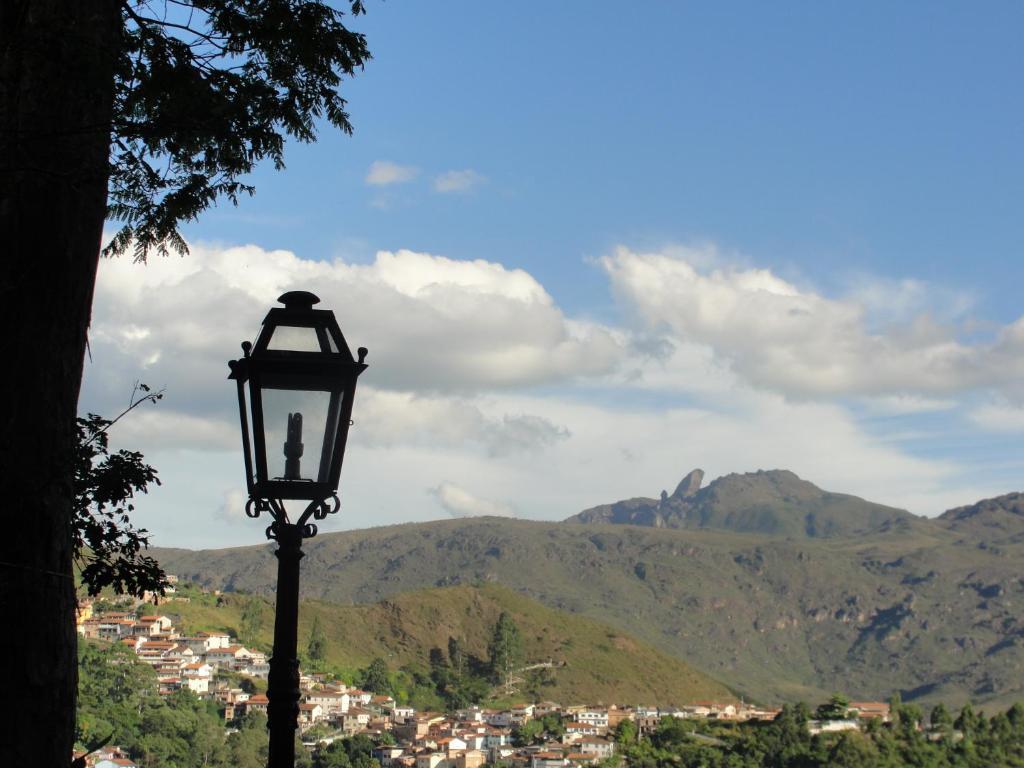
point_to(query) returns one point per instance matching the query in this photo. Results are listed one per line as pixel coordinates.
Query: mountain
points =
(591, 661)
(774, 502)
(923, 609)
(1001, 518)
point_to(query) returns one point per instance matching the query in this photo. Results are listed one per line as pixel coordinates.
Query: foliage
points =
(538, 731)
(316, 649)
(626, 733)
(536, 681)
(940, 718)
(460, 679)
(834, 709)
(207, 89)
(505, 649)
(415, 686)
(107, 547)
(248, 746)
(787, 743)
(353, 752)
(252, 622)
(375, 677)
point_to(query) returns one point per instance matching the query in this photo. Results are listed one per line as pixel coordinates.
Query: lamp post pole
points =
(300, 359)
(283, 688)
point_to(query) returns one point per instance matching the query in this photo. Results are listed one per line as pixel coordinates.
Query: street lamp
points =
(295, 391)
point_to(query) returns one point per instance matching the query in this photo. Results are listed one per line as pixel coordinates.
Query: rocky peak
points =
(689, 485)
(771, 502)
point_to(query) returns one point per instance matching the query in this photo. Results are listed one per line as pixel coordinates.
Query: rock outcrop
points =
(689, 485)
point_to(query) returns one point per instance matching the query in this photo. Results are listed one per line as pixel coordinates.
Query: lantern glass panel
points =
(316, 433)
(293, 338)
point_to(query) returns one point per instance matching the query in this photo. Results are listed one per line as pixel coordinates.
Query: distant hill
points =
(927, 610)
(991, 519)
(774, 502)
(592, 662)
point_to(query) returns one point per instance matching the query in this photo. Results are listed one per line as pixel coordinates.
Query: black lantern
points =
(295, 393)
(301, 379)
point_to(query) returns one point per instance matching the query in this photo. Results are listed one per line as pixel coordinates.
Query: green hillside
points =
(592, 662)
(923, 609)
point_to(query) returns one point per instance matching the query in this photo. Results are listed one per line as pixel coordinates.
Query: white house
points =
(360, 698)
(451, 744)
(197, 669)
(310, 714)
(576, 731)
(600, 748)
(546, 760)
(402, 714)
(430, 760)
(495, 738)
(154, 625)
(331, 701)
(200, 686)
(256, 669)
(598, 717)
(230, 656)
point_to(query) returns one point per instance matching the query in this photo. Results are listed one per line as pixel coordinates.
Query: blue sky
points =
(735, 236)
(826, 138)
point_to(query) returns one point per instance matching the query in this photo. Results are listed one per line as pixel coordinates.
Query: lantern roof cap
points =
(298, 299)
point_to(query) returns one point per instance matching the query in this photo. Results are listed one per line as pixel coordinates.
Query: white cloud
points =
(891, 405)
(458, 502)
(888, 301)
(451, 423)
(998, 418)
(232, 506)
(432, 324)
(458, 181)
(793, 340)
(384, 173)
(165, 424)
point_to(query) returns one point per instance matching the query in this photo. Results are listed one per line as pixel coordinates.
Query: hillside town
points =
(210, 665)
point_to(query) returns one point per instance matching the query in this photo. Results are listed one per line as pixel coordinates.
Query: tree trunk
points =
(56, 91)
